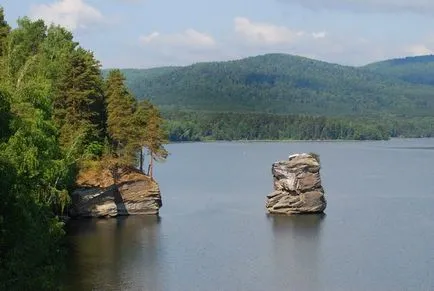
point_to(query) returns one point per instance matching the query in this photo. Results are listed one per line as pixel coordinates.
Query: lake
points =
(213, 233)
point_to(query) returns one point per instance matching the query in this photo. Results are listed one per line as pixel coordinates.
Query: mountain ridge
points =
(281, 84)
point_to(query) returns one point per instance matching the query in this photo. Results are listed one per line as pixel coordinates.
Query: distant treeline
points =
(202, 126)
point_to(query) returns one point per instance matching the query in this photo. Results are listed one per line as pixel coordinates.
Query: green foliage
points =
(79, 103)
(280, 84)
(30, 236)
(417, 70)
(53, 119)
(94, 151)
(23, 47)
(5, 116)
(36, 177)
(195, 126)
(132, 125)
(4, 31)
(120, 108)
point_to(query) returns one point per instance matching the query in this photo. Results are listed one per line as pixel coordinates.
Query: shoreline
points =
(297, 140)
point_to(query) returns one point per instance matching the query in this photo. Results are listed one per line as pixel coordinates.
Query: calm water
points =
(213, 233)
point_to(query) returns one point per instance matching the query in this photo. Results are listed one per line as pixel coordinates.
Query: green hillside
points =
(136, 76)
(282, 84)
(417, 70)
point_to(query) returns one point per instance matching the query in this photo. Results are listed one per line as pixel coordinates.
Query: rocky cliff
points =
(297, 186)
(105, 193)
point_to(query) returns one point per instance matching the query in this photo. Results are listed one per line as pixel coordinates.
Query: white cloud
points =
(149, 38)
(189, 38)
(250, 38)
(72, 14)
(321, 34)
(180, 48)
(261, 38)
(265, 33)
(419, 50)
(386, 6)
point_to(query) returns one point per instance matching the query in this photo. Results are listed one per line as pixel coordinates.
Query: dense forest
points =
(278, 96)
(281, 84)
(57, 116)
(204, 126)
(200, 126)
(417, 70)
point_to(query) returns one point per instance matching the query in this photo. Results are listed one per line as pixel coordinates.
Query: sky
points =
(151, 33)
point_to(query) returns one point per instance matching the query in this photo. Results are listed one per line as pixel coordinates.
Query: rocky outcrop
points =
(108, 194)
(297, 186)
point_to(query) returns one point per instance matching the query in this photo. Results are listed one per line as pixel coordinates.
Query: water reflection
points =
(110, 254)
(297, 251)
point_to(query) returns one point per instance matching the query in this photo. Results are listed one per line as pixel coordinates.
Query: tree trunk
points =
(151, 166)
(141, 160)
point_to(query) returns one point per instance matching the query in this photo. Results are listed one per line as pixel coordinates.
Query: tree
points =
(155, 136)
(33, 170)
(4, 33)
(140, 123)
(132, 126)
(23, 46)
(120, 109)
(79, 101)
(149, 134)
(5, 116)
(56, 53)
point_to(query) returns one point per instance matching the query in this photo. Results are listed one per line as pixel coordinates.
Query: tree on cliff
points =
(132, 126)
(150, 134)
(156, 137)
(120, 108)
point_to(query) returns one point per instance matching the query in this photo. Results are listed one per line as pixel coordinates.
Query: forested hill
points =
(417, 70)
(283, 84)
(137, 75)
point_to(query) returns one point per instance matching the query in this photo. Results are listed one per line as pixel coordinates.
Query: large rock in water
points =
(108, 194)
(297, 186)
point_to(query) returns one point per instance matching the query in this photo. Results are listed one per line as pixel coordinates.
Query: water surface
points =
(213, 233)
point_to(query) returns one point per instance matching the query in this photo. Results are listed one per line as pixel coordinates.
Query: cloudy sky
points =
(149, 33)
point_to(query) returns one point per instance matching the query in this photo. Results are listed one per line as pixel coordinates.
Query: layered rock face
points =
(107, 194)
(297, 186)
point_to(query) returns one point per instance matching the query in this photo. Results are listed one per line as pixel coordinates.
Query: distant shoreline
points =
(297, 140)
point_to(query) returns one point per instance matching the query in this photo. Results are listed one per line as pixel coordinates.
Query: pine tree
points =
(155, 137)
(140, 123)
(4, 100)
(133, 126)
(79, 101)
(121, 106)
(4, 31)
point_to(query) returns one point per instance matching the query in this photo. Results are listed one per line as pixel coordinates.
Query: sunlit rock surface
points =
(297, 186)
(107, 194)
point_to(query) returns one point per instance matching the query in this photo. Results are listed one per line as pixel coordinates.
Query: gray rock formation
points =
(106, 194)
(297, 186)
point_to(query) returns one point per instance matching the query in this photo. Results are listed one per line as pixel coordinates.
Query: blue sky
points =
(149, 33)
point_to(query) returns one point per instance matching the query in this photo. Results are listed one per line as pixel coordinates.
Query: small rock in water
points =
(297, 186)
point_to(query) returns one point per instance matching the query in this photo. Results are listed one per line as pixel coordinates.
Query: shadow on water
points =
(297, 251)
(108, 254)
